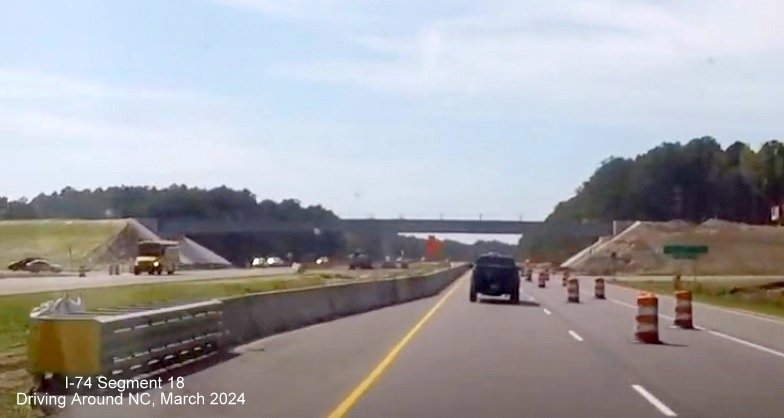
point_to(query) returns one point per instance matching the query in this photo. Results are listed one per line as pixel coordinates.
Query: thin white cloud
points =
(87, 135)
(632, 55)
(25, 84)
(335, 12)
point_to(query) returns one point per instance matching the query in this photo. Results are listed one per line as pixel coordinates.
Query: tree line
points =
(694, 181)
(151, 202)
(221, 203)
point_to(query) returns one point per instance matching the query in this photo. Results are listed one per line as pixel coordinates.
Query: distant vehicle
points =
(20, 264)
(360, 260)
(259, 262)
(35, 265)
(155, 256)
(401, 263)
(495, 275)
(322, 261)
(388, 263)
(276, 262)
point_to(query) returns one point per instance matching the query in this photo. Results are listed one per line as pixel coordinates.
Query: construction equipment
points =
(155, 256)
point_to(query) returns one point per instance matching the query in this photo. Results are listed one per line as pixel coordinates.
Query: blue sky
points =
(376, 107)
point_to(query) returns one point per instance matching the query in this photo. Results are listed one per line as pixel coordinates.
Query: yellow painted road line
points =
(373, 377)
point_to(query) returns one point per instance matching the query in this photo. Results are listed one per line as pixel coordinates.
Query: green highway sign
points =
(688, 252)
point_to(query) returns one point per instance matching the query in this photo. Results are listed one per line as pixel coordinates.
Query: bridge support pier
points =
(386, 244)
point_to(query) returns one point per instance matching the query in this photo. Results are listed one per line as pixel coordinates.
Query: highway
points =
(447, 357)
(32, 283)
(689, 277)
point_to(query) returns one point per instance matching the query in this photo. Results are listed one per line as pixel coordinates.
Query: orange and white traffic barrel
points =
(647, 329)
(529, 275)
(683, 317)
(573, 291)
(543, 279)
(598, 288)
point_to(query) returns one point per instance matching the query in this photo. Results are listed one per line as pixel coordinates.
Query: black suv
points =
(495, 275)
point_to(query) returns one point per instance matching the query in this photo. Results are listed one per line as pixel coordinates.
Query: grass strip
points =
(746, 294)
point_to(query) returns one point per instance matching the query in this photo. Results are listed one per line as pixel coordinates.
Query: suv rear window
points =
(495, 261)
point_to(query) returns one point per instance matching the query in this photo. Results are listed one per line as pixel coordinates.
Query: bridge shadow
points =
(661, 344)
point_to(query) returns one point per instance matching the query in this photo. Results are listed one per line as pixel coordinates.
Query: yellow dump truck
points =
(154, 257)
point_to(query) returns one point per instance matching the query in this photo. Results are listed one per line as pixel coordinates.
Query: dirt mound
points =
(68, 242)
(121, 247)
(584, 254)
(736, 248)
(733, 249)
(195, 255)
(93, 243)
(637, 249)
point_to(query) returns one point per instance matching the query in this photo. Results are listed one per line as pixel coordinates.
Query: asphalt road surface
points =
(447, 357)
(32, 283)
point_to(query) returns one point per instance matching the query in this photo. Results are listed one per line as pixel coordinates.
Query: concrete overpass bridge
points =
(185, 226)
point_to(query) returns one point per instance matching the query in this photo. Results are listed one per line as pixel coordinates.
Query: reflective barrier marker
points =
(598, 288)
(543, 279)
(573, 291)
(647, 329)
(683, 317)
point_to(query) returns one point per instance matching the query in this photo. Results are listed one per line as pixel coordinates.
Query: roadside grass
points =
(746, 294)
(52, 238)
(15, 310)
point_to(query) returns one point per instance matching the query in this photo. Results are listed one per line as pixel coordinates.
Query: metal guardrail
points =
(122, 343)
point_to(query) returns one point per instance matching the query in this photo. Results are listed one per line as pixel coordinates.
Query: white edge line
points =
(664, 409)
(747, 343)
(575, 335)
(547, 311)
(616, 301)
(739, 312)
(716, 333)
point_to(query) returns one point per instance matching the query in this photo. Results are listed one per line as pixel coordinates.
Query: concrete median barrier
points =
(256, 316)
(131, 341)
